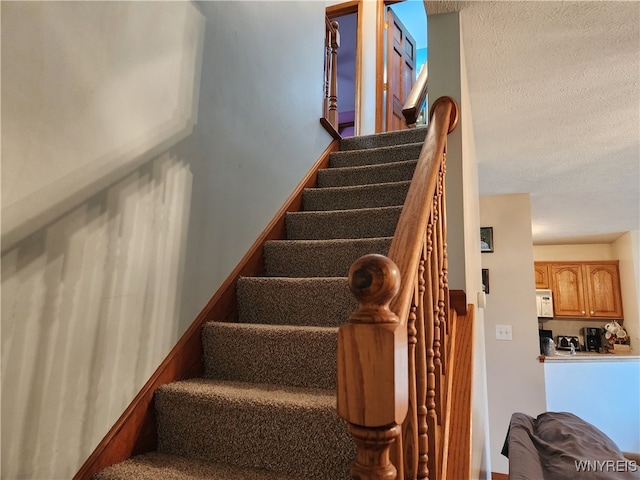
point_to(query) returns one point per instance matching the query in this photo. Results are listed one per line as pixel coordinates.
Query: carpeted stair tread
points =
(356, 196)
(334, 224)
(318, 258)
(375, 156)
(158, 466)
(323, 302)
(367, 174)
(411, 135)
(290, 430)
(275, 354)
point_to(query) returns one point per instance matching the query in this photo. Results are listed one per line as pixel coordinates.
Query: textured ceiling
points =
(556, 104)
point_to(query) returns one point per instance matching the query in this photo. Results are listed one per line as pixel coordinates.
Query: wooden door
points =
(603, 290)
(541, 271)
(568, 290)
(401, 70)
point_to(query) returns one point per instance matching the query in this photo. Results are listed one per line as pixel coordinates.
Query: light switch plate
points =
(503, 332)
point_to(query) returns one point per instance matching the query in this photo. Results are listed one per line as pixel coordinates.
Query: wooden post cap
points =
(374, 280)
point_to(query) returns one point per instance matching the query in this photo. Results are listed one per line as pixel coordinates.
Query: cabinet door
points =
(541, 271)
(603, 290)
(568, 290)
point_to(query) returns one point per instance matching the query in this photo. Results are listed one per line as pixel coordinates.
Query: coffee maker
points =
(592, 339)
(544, 335)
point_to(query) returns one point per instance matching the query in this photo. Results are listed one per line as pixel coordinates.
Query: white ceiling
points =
(556, 104)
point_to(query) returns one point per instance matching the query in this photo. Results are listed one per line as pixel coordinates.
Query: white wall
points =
(603, 393)
(515, 376)
(588, 251)
(448, 77)
(95, 298)
(627, 251)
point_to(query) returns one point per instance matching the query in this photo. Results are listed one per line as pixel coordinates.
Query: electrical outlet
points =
(503, 332)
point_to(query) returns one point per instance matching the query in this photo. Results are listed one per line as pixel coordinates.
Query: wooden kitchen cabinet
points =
(541, 271)
(603, 290)
(567, 286)
(584, 289)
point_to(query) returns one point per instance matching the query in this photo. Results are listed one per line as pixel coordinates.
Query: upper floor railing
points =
(412, 107)
(330, 106)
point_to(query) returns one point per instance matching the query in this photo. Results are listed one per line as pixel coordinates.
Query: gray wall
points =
(132, 233)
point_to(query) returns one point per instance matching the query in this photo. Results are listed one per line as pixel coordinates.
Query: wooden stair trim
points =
(135, 432)
(458, 301)
(457, 434)
(330, 129)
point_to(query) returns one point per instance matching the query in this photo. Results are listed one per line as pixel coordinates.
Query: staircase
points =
(265, 407)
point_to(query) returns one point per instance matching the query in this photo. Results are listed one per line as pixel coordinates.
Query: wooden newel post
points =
(373, 391)
(333, 87)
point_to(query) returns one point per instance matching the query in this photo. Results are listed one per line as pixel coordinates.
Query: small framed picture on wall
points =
(486, 239)
(485, 280)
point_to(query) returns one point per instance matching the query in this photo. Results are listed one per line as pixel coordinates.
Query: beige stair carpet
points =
(265, 407)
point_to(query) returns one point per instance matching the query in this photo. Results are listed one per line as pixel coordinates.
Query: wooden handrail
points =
(415, 213)
(416, 97)
(393, 353)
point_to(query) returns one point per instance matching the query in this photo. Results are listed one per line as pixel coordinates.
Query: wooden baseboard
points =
(499, 476)
(135, 430)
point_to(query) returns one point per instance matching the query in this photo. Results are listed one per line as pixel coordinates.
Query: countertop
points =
(565, 356)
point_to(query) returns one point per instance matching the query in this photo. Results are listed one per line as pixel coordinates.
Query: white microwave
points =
(544, 303)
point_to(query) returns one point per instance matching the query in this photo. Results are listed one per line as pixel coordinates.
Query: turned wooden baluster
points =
(327, 67)
(333, 91)
(435, 287)
(331, 44)
(429, 323)
(445, 265)
(410, 426)
(372, 393)
(421, 372)
(442, 294)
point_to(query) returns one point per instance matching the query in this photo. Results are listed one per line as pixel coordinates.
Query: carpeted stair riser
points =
(323, 302)
(318, 258)
(412, 135)
(361, 223)
(158, 466)
(375, 156)
(275, 354)
(359, 196)
(285, 429)
(367, 174)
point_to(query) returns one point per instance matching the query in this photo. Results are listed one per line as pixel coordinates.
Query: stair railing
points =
(418, 94)
(392, 355)
(330, 106)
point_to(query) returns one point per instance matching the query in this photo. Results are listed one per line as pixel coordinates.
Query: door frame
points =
(380, 60)
(347, 8)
